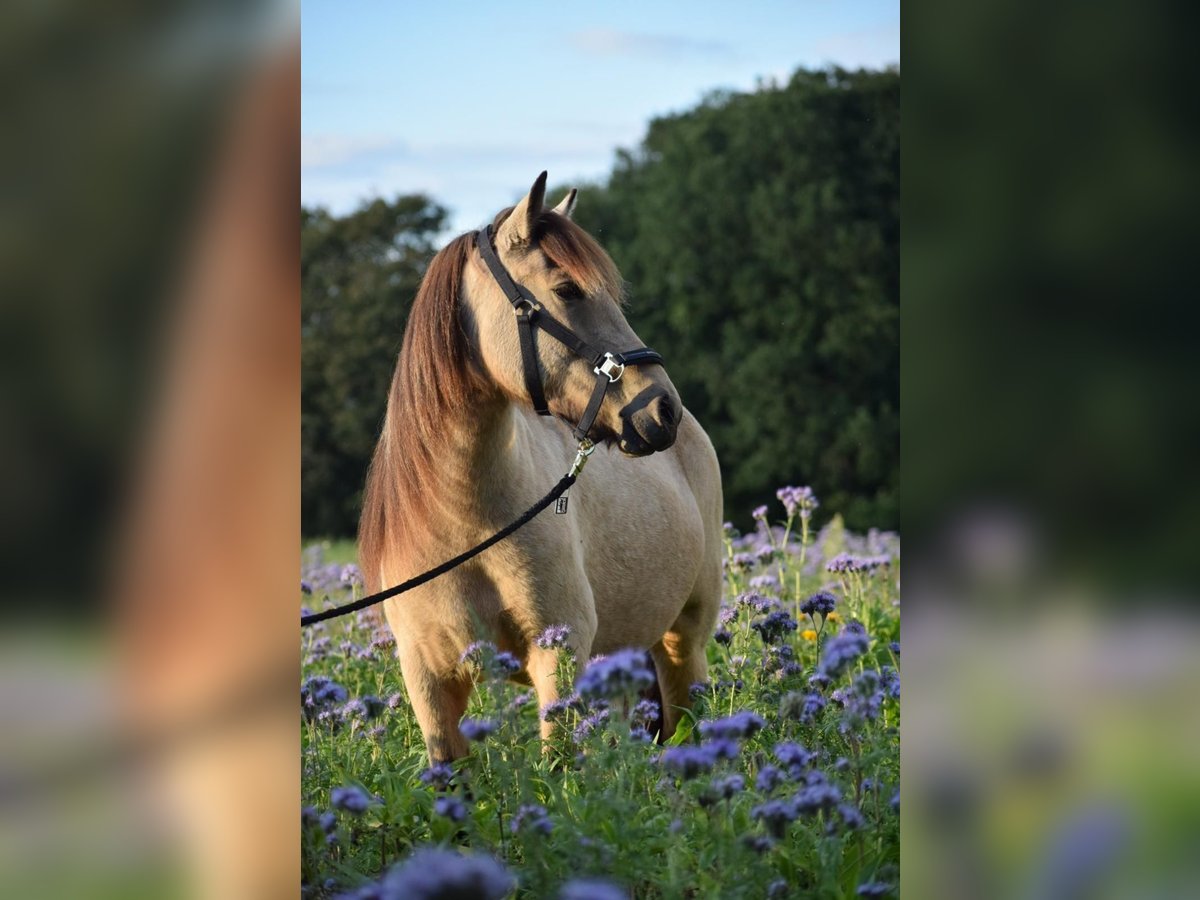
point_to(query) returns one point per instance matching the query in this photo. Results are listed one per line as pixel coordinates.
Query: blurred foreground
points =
(1050, 746)
(149, 381)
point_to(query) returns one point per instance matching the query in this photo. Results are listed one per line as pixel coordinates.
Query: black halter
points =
(608, 366)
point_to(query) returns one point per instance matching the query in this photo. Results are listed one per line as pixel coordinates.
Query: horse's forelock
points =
(574, 251)
(579, 254)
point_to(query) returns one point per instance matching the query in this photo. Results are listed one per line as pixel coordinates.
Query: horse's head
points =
(576, 283)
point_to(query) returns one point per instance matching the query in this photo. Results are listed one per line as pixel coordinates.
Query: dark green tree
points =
(359, 273)
(760, 236)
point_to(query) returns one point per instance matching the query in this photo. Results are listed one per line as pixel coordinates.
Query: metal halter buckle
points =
(610, 365)
(526, 307)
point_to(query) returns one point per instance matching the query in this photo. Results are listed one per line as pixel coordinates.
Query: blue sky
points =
(469, 101)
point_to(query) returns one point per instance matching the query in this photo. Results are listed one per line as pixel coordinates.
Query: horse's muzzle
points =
(649, 425)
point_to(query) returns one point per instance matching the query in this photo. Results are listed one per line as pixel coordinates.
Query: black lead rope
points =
(609, 367)
(559, 489)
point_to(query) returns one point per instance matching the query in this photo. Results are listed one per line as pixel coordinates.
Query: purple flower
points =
(518, 701)
(328, 822)
(874, 889)
(760, 513)
(844, 563)
(450, 807)
(557, 708)
(727, 614)
(503, 665)
(794, 756)
(478, 652)
(553, 637)
(741, 724)
(889, 680)
(591, 889)
(774, 626)
(439, 775)
(646, 712)
(721, 636)
(319, 691)
(688, 762)
(821, 602)
(803, 707)
(724, 788)
(797, 499)
(534, 816)
(756, 602)
(841, 650)
(436, 874)
(862, 701)
(368, 707)
(775, 815)
(305, 587)
(395, 701)
(781, 661)
(769, 778)
(740, 562)
(616, 675)
(477, 729)
(590, 723)
(816, 797)
(351, 798)
(331, 719)
(851, 816)
(351, 576)
(894, 646)
(722, 748)
(764, 583)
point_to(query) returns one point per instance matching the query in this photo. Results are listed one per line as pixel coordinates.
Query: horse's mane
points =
(433, 382)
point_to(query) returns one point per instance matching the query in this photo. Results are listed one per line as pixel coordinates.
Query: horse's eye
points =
(568, 291)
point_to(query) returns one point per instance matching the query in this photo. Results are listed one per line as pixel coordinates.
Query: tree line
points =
(759, 233)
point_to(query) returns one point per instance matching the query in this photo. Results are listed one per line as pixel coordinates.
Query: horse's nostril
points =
(666, 412)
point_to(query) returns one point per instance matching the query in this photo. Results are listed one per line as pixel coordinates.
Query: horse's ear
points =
(567, 206)
(518, 227)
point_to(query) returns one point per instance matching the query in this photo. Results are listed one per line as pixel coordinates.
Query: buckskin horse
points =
(516, 329)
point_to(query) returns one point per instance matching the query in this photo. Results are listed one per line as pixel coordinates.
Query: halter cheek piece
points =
(608, 366)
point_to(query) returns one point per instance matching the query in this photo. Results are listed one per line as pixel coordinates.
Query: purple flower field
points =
(785, 782)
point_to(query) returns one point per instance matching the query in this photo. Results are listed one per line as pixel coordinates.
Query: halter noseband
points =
(608, 366)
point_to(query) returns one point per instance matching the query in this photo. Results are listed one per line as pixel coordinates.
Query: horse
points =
(635, 562)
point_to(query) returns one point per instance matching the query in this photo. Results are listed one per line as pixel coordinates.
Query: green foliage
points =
(760, 236)
(759, 233)
(360, 274)
(615, 809)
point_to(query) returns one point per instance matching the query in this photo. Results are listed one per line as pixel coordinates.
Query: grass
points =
(820, 821)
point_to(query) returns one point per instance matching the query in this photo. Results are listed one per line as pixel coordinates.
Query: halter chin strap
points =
(608, 366)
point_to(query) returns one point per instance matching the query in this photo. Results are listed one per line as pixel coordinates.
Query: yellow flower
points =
(834, 617)
(808, 634)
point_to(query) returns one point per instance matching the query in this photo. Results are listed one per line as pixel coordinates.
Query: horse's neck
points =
(486, 462)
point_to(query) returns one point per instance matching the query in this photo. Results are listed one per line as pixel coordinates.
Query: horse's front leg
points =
(544, 663)
(438, 701)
